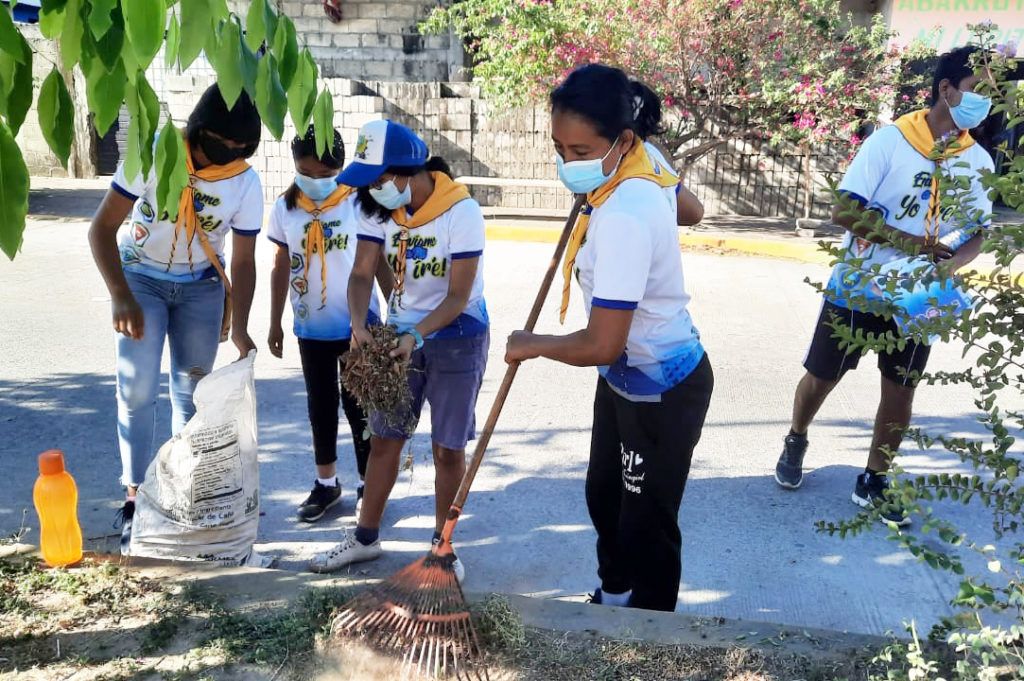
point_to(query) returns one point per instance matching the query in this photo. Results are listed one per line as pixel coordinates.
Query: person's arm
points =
(278, 294)
(385, 277)
(460, 286)
(243, 286)
(600, 344)
(360, 287)
(869, 225)
(127, 315)
(689, 209)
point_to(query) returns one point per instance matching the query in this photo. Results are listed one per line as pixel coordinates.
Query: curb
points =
(803, 252)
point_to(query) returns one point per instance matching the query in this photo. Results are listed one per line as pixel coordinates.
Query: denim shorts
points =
(447, 373)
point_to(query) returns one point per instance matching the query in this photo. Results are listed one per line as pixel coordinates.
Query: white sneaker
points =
(345, 553)
(460, 570)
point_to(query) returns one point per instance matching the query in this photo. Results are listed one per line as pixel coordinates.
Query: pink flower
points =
(733, 4)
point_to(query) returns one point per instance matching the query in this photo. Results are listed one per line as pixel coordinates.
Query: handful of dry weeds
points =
(377, 381)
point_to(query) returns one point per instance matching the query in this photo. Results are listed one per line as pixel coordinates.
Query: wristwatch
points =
(417, 338)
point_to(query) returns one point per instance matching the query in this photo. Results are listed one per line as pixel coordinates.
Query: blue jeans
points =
(189, 316)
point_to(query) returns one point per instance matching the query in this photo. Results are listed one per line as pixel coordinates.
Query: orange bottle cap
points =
(51, 462)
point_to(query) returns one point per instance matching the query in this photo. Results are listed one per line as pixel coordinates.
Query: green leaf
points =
(109, 48)
(10, 37)
(14, 190)
(302, 92)
(144, 22)
(17, 88)
(172, 175)
(286, 49)
(100, 19)
(144, 109)
(219, 10)
(51, 18)
(271, 99)
(256, 24)
(323, 121)
(225, 54)
(71, 38)
(196, 28)
(173, 42)
(248, 64)
(57, 115)
(105, 92)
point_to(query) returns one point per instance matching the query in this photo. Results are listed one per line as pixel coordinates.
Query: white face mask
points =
(389, 196)
(316, 188)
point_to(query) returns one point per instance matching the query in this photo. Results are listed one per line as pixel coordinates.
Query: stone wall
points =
(375, 40)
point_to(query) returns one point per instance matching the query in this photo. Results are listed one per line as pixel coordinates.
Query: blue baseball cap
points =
(382, 144)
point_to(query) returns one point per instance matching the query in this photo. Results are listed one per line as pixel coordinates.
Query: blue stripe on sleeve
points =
(614, 304)
(123, 192)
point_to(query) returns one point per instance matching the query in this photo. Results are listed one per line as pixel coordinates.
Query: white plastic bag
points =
(201, 496)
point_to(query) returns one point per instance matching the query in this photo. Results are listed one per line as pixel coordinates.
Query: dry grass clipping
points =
(378, 382)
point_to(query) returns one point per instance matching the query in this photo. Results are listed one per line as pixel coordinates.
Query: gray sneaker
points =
(789, 471)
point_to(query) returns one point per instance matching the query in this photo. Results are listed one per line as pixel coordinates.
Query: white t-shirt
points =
(890, 176)
(312, 319)
(630, 260)
(235, 204)
(455, 235)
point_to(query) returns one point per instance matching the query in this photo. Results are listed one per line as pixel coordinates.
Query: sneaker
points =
(789, 472)
(870, 492)
(123, 521)
(359, 498)
(319, 500)
(457, 566)
(345, 553)
(601, 598)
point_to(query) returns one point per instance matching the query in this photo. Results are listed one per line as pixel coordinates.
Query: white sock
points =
(328, 482)
(621, 600)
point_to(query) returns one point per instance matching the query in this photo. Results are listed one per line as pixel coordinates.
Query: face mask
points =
(389, 196)
(971, 111)
(316, 188)
(219, 153)
(583, 177)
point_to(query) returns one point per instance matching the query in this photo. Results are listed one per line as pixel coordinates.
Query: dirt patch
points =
(104, 621)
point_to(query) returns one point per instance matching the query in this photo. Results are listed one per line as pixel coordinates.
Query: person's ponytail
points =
(646, 110)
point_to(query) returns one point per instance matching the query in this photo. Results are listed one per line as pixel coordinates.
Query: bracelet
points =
(417, 338)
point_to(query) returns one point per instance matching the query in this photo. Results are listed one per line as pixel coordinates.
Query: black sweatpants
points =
(321, 367)
(639, 459)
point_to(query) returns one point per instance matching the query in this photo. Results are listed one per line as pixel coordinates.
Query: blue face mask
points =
(389, 196)
(971, 111)
(316, 188)
(583, 177)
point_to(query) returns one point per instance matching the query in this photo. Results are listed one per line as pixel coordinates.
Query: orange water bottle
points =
(56, 499)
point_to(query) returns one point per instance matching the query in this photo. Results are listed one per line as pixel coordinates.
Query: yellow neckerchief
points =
(187, 216)
(914, 127)
(635, 164)
(315, 242)
(447, 192)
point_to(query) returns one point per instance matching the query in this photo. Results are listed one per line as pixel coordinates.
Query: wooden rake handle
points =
(510, 374)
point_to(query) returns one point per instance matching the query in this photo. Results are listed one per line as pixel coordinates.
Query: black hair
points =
(954, 66)
(373, 209)
(305, 147)
(241, 124)
(606, 97)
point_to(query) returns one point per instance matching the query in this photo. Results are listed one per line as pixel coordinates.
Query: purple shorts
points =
(447, 373)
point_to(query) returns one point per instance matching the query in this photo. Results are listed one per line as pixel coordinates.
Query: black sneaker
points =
(123, 521)
(598, 598)
(319, 500)
(789, 471)
(359, 499)
(870, 492)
